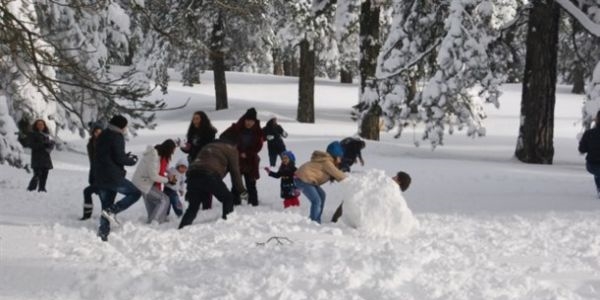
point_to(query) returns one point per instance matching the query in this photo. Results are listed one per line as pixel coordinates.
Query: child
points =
(402, 179)
(174, 191)
(286, 173)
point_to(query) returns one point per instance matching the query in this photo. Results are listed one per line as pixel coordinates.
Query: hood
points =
(150, 151)
(320, 156)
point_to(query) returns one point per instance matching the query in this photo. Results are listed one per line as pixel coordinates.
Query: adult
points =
(41, 145)
(249, 139)
(274, 134)
(205, 177)
(150, 176)
(402, 179)
(200, 132)
(590, 144)
(352, 152)
(322, 167)
(110, 162)
(88, 205)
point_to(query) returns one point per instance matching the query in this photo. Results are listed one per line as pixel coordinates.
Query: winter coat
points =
(111, 158)
(146, 173)
(352, 149)
(249, 142)
(91, 151)
(196, 140)
(320, 169)
(590, 144)
(180, 185)
(41, 146)
(274, 134)
(286, 173)
(218, 158)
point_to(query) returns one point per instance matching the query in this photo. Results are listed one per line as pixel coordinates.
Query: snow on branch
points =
(580, 16)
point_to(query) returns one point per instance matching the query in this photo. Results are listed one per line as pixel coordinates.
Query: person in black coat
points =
(274, 134)
(88, 205)
(200, 133)
(109, 163)
(590, 144)
(41, 145)
(352, 151)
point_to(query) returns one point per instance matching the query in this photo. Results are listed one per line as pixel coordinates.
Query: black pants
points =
(88, 205)
(250, 187)
(200, 187)
(40, 175)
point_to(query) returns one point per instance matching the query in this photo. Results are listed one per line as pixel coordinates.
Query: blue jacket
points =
(111, 158)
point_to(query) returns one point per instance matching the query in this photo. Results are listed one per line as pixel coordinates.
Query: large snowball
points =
(373, 204)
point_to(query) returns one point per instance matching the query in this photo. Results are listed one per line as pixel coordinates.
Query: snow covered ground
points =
(489, 227)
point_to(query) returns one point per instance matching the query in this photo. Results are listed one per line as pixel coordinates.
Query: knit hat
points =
(250, 114)
(335, 149)
(289, 155)
(118, 121)
(181, 162)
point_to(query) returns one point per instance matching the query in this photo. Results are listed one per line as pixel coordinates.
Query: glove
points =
(244, 196)
(270, 137)
(133, 157)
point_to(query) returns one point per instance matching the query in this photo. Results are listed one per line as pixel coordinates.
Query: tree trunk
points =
(278, 64)
(345, 76)
(369, 50)
(218, 63)
(535, 142)
(578, 80)
(306, 93)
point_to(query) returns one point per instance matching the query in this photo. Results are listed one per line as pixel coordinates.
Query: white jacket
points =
(146, 173)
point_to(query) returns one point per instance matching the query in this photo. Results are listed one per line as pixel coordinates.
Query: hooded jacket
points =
(111, 158)
(218, 158)
(250, 147)
(146, 173)
(319, 169)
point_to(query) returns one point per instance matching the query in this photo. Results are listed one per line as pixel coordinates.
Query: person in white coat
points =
(150, 177)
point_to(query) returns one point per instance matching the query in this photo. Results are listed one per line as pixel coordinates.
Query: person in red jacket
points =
(250, 138)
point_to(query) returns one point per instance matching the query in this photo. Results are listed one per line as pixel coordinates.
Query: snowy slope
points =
(489, 227)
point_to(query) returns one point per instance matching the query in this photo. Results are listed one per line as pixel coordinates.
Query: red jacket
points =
(249, 142)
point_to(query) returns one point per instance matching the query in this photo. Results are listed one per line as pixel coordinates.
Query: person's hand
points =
(133, 157)
(267, 169)
(270, 137)
(243, 155)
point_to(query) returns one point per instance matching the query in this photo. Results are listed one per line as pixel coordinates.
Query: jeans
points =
(594, 168)
(175, 201)
(108, 195)
(200, 187)
(316, 195)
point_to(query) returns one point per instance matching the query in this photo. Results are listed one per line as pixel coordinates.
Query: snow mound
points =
(373, 204)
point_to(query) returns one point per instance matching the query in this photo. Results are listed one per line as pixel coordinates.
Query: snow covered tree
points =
(347, 37)
(369, 51)
(447, 45)
(535, 140)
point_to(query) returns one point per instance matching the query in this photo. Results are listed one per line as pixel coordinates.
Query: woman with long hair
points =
(200, 132)
(150, 177)
(41, 145)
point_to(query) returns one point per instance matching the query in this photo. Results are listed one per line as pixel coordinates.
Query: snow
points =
(490, 227)
(374, 205)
